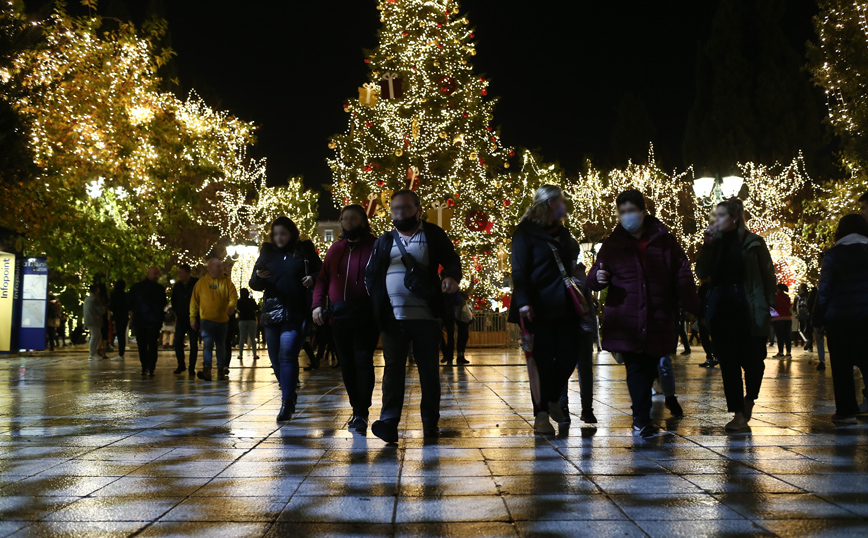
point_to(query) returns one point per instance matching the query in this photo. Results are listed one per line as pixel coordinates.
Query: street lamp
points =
(713, 190)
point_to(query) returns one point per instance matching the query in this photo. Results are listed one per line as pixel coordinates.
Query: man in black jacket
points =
(181, 294)
(147, 302)
(407, 293)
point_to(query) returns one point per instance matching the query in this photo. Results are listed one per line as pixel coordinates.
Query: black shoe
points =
(180, 370)
(445, 360)
(387, 431)
(144, 372)
(714, 363)
(192, 371)
(707, 364)
(287, 409)
(358, 424)
(645, 428)
(673, 406)
(462, 360)
(821, 366)
(588, 416)
(567, 419)
(151, 373)
(431, 432)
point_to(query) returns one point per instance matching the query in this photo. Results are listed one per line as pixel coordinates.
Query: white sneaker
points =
(118, 358)
(541, 424)
(92, 358)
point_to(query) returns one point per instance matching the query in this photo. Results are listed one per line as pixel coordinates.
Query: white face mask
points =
(632, 221)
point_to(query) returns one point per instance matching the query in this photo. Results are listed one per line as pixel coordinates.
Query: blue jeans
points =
(284, 343)
(214, 333)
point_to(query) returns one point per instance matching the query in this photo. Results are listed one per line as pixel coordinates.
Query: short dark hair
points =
(186, 267)
(94, 288)
(120, 284)
(864, 197)
(245, 293)
(407, 192)
(633, 196)
(783, 287)
(366, 225)
(853, 223)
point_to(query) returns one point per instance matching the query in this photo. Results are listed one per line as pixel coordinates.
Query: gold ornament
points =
(516, 190)
(456, 183)
(399, 152)
(333, 144)
(474, 155)
(458, 139)
(473, 52)
(443, 135)
(493, 147)
(436, 63)
(463, 61)
(490, 203)
(506, 165)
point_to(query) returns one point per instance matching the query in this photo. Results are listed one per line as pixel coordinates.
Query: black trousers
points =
(705, 339)
(586, 373)
(463, 337)
(739, 354)
(556, 351)
(682, 334)
(784, 335)
(424, 335)
(121, 333)
(846, 350)
(641, 373)
(147, 338)
(182, 329)
(447, 341)
(355, 344)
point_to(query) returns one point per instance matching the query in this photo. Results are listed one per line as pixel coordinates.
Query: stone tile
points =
(458, 530)
(429, 485)
(782, 506)
(673, 506)
(711, 528)
(563, 508)
(30, 508)
(603, 529)
(342, 509)
(151, 487)
(330, 530)
(223, 529)
(270, 486)
(113, 509)
(78, 529)
(450, 509)
(227, 509)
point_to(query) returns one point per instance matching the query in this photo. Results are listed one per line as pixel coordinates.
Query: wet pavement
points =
(94, 449)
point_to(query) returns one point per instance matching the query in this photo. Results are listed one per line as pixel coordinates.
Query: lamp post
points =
(713, 190)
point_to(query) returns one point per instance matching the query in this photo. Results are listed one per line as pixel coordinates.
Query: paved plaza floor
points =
(93, 449)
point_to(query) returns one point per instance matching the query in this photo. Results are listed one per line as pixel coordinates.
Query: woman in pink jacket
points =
(340, 298)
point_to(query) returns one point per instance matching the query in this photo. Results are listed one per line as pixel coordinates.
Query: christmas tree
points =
(423, 121)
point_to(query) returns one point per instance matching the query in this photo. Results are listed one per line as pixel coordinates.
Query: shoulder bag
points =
(416, 278)
(573, 292)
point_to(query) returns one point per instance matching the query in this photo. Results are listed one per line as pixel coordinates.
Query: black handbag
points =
(416, 277)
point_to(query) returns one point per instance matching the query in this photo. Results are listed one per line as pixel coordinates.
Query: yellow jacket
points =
(211, 298)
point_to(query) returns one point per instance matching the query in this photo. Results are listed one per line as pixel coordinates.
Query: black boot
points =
(287, 409)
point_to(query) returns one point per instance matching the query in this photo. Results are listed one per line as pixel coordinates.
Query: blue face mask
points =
(632, 221)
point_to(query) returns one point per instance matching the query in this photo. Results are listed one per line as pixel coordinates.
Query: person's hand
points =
(710, 234)
(603, 275)
(449, 285)
(307, 281)
(317, 316)
(526, 312)
(194, 325)
(230, 311)
(263, 273)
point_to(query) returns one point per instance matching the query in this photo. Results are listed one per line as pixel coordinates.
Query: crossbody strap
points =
(558, 260)
(402, 248)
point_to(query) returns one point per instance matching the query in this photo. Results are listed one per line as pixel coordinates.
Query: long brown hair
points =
(735, 208)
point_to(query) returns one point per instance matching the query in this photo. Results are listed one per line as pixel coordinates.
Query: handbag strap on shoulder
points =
(558, 260)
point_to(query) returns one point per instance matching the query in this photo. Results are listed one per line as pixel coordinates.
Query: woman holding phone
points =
(738, 308)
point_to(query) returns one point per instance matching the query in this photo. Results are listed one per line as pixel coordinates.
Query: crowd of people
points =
(402, 290)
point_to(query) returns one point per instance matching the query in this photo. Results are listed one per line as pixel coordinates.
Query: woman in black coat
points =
(540, 298)
(842, 310)
(286, 271)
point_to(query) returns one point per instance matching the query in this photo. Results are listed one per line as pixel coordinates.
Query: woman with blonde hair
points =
(544, 253)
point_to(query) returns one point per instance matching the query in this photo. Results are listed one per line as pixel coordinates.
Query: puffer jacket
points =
(642, 303)
(843, 289)
(285, 298)
(759, 279)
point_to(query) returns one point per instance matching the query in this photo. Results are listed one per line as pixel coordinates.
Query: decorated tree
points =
(127, 174)
(423, 122)
(839, 63)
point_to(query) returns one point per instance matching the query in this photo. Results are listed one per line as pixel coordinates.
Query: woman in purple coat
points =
(649, 280)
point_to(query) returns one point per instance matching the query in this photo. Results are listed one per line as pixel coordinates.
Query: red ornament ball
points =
(439, 45)
(484, 91)
(512, 153)
(478, 268)
(367, 60)
(464, 114)
(380, 182)
(450, 202)
(405, 34)
(454, 241)
(488, 128)
(506, 203)
(481, 79)
(346, 200)
(472, 35)
(494, 139)
(368, 124)
(439, 25)
(476, 281)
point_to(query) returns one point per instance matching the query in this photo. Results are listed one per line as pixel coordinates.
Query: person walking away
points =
(702, 324)
(682, 332)
(285, 271)
(340, 298)
(818, 338)
(842, 310)
(182, 293)
(120, 314)
(447, 337)
(169, 319)
(782, 321)
(147, 298)
(586, 354)
(544, 255)
(648, 278)
(463, 319)
(93, 314)
(407, 293)
(54, 313)
(213, 301)
(247, 312)
(742, 278)
(104, 342)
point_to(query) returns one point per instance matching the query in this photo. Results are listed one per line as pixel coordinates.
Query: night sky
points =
(559, 67)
